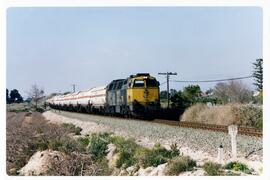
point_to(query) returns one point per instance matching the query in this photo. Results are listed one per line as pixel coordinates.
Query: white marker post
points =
(232, 129)
(220, 155)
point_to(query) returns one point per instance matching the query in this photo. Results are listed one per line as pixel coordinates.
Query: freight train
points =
(136, 96)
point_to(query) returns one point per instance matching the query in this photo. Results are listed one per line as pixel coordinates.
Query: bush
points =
(237, 166)
(38, 145)
(70, 145)
(131, 153)
(126, 149)
(58, 144)
(103, 166)
(84, 141)
(55, 144)
(180, 164)
(125, 159)
(243, 115)
(212, 169)
(192, 113)
(98, 146)
(249, 115)
(40, 110)
(73, 129)
(156, 156)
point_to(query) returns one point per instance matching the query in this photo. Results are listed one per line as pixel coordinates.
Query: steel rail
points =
(241, 130)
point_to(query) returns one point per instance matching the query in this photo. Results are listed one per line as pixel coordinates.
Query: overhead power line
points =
(162, 83)
(214, 80)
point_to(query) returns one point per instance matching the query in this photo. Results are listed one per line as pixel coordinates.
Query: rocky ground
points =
(200, 145)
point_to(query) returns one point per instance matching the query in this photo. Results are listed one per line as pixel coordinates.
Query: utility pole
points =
(74, 87)
(168, 74)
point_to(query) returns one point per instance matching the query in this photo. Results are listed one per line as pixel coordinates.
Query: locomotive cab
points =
(143, 95)
(136, 96)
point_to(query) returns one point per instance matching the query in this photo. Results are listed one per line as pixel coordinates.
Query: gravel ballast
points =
(201, 145)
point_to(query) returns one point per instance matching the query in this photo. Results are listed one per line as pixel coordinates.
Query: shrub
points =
(39, 109)
(70, 145)
(174, 150)
(212, 169)
(84, 141)
(237, 166)
(126, 149)
(192, 113)
(249, 115)
(156, 156)
(232, 174)
(98, 146)
(77, 131)
(55, 144)
(180, 164)
(103, 167)
(125, 159)
(243, 115)
(73, 129)
(38, 145)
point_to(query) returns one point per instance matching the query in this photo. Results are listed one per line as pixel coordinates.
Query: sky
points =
(58, 47)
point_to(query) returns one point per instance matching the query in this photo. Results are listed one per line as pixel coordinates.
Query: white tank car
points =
(94, 96)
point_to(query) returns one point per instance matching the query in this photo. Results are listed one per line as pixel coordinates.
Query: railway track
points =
(222, 128)
(241, 130)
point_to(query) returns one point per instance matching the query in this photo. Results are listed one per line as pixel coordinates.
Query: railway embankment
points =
(200, 145)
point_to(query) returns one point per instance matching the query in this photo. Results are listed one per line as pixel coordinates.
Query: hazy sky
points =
(56, 47)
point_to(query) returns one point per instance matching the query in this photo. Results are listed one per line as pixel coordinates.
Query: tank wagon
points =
(135, 96)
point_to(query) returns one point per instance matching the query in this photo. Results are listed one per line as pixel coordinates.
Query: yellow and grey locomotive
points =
(136, 96)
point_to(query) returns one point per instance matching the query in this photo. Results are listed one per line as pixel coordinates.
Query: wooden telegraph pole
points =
(168, 74)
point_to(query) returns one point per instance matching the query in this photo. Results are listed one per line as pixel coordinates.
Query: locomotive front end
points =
(143, 95)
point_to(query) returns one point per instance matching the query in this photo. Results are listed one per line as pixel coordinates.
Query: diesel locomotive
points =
(136, 96)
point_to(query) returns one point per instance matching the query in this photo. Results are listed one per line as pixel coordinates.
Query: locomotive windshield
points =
(138, 83)
(151, 83)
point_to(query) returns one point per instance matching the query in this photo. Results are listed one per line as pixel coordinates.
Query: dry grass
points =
(245, 115)
(180, 164)
(27, 135)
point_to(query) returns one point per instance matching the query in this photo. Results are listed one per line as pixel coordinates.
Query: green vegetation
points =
(40, 110)
(156, 156)
(57, 144)
(131, 153)
(73, 129)
(13, 97)
(98, 146)
(237, 166)
(248, 115)
(84, 141)
(180, 164)
(126, 149)
(258, 74)
(212, 169)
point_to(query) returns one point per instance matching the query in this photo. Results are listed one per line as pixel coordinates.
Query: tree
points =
(180, 101)
(258, 74)
(36, 93)
(233, 91)
(163, 95)
(172, 92)
(7, 97)
(192, 92)
(15, 96)
(186, 98)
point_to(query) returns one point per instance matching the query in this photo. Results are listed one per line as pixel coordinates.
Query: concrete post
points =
(220, 155)
(232, 129)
